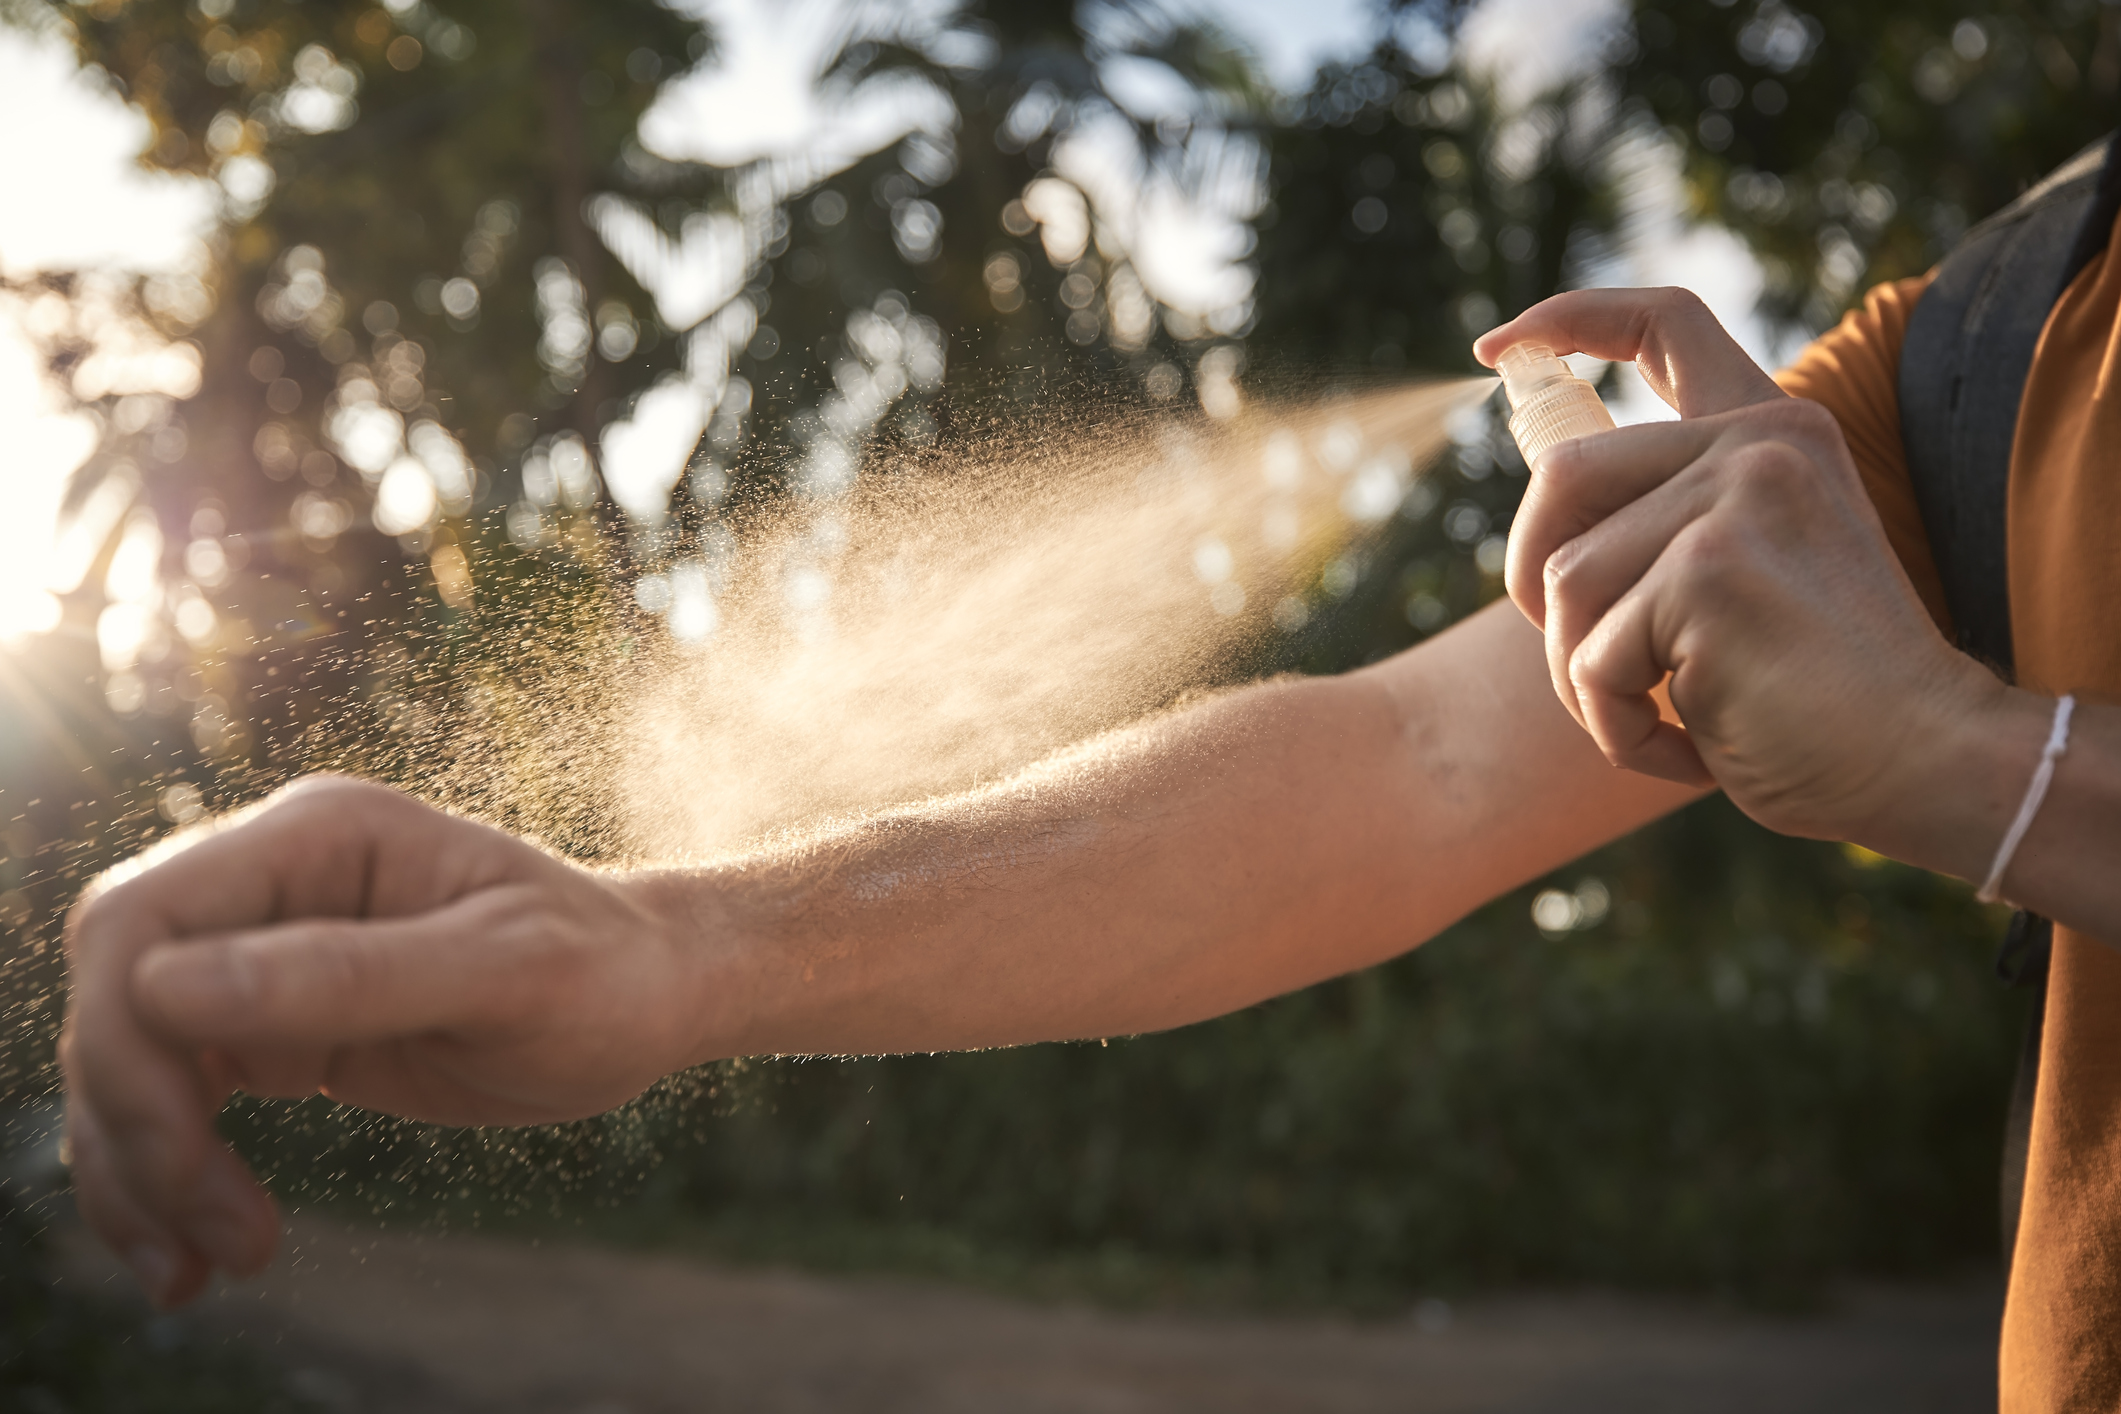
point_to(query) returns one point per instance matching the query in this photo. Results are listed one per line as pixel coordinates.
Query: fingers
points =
(323, 847)
(1600, 511)
(168, 1268)
(1614, 673)
(1685, 356)
(145, 1114)
(1587, 577)
(288, 994)
(172, 1206)
(153, 1141)
(273, 1072)
(1578, 484)
(152, 1052)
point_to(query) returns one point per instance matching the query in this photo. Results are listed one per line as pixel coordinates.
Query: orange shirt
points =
(2062, 1323)
(1854, 371)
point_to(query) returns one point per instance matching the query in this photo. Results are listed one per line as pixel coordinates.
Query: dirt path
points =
(467, 1325)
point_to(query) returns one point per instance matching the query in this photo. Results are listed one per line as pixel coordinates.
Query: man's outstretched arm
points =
(1256, 843)
(347, 939)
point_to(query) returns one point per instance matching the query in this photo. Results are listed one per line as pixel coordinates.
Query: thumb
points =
(321, 981)
(1686, 357)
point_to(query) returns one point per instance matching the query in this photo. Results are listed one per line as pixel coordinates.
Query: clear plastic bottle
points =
(1548, 404)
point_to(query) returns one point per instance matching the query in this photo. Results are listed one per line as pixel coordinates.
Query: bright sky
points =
(77, 200)
(759, 97)
(1293, 39)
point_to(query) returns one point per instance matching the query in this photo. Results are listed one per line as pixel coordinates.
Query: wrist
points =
(1961, 773)
(708, 947)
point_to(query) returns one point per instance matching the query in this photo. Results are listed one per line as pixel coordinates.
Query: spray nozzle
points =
(1526, 368)
(1548, 403)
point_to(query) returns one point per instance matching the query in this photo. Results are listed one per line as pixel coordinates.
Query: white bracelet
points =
(2043, 776)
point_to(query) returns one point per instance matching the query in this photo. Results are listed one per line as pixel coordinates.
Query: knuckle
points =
(1586, 669)
(1561, 469)
(329, 807)
(548, 961)
(1704, 557)
(1677, 301)
(1703, 545)
(1795, 422)
(1559, 304)
(325, 784)
(95, 915)
(1806, 416)
(272, 980)
(1564, 572)
(1771, 466)
(1628, 756)
(329, 793)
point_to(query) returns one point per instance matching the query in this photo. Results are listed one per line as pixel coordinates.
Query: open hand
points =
(342, 938)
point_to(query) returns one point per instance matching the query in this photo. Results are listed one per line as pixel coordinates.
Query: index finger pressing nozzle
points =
(1548, 404)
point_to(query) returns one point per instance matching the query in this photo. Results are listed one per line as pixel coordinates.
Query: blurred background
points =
(349, 350)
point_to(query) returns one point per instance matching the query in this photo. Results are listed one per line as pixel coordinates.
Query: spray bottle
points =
(1548, 404)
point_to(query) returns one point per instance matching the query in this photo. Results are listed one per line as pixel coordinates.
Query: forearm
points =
(1153, 878)
(1227, 853)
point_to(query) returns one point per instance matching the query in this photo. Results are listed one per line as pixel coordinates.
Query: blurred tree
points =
(1410, 211)
(426, 299)
(403, 301)
(971, 267)
(1851, 144)
(412, 309)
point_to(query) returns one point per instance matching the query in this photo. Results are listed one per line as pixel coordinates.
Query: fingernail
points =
(153, 1266)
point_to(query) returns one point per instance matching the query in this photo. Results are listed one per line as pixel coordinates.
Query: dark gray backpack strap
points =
(2022, 962)
(1962, 372)
(1963, 368)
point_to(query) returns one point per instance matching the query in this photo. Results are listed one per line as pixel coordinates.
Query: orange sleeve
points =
(1853, 370)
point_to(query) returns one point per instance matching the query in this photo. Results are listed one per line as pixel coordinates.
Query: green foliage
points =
(405, 231)
(938, 225)
(1408, 215)
(1851, 144)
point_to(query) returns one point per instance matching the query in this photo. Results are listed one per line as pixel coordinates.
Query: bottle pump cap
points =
(1548, 404)
(1527, 368)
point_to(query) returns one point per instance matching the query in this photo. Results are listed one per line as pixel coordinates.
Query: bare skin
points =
(347, 939)
(1733, 558)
